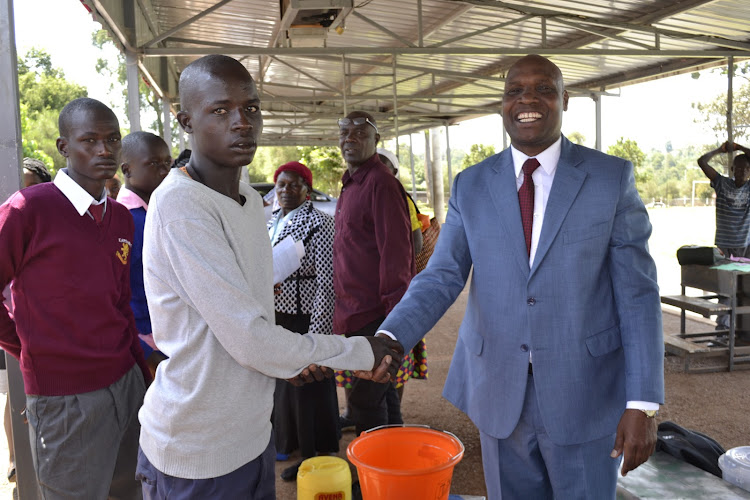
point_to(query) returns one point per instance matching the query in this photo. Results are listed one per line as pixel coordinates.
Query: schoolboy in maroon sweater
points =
(67, 246)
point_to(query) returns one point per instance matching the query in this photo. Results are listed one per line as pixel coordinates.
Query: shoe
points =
(345, 423)
(290, 473)
(282, 457)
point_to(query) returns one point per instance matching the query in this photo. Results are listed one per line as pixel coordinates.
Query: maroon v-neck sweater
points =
(72, 328)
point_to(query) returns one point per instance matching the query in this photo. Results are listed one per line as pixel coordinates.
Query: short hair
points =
(38, 168)
(133, 141)
(182, 159)
(742, 157)
(211, 64)
(76, 105)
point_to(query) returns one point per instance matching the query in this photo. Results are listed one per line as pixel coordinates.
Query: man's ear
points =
(183, 118)
(565, 100)
(377, 139)
(62, 146)
(125, 167)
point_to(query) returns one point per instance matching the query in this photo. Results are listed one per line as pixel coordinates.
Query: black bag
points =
(703, 256)
(689, 446)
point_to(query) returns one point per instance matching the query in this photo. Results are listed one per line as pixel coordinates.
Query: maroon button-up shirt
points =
(373, 260)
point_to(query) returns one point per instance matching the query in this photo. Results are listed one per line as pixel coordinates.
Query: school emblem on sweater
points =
(124, 251)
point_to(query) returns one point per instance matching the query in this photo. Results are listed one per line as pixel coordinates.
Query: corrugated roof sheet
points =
(467, 45)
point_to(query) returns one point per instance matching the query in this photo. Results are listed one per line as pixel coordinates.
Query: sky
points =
(651, 113)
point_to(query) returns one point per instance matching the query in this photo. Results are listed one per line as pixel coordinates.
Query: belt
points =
(531, 368)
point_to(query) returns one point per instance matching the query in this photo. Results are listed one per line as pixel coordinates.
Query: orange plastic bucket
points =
(405, 463)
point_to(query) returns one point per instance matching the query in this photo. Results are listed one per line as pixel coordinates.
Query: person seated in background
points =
(146, 161)
(34, 172)
(732, 201)
(66, 247)
(304, 417)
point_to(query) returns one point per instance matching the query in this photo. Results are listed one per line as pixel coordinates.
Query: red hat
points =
(298, 168)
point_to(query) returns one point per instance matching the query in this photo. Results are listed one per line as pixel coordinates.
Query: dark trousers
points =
(253, 481)
(368, 407)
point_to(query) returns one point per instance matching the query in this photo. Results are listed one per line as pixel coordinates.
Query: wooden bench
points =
(701, 305)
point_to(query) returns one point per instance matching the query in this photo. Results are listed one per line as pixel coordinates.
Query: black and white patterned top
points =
(309, 290)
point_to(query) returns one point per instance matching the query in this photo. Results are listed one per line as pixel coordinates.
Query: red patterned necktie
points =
(97, 212)
(526, 200)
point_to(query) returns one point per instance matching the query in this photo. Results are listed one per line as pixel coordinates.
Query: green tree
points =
(477, 153)
(43, 92)
(713, 113)
(267, 160)
(150, 102)
(327, 167)
(628, 149)
(577, 138)
(41, 86)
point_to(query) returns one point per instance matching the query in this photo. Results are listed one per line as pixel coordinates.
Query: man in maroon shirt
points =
(373, 260)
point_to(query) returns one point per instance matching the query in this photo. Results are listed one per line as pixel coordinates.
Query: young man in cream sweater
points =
(206, 428)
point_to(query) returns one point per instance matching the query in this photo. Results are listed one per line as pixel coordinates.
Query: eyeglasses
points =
(360, 120)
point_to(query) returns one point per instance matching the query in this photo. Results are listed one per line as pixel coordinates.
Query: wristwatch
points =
(650, 413)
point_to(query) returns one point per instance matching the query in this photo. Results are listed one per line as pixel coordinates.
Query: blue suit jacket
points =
(588, 310)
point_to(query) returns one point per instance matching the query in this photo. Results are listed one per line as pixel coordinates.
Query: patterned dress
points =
(305, 418)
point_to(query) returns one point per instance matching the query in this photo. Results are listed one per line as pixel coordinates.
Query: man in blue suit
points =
(559, 359)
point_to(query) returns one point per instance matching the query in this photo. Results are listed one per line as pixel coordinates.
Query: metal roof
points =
(434, 62)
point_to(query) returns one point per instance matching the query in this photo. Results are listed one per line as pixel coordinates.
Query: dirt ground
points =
(713, 403)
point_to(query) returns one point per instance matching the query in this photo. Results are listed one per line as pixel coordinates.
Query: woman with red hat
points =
(304, 417)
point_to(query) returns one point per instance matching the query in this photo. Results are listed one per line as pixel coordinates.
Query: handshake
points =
(388, 355)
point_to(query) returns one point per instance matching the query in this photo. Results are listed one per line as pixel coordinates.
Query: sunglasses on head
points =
(360, 120)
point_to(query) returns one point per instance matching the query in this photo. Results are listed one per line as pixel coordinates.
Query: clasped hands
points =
(388, 355)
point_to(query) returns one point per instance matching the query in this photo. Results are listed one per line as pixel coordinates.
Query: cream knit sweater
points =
(208, 279)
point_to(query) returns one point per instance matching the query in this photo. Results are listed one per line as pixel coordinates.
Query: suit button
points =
(531, 301)
(524, 348)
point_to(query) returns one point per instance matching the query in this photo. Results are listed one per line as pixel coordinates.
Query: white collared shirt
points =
(78, 196)
(542, 177)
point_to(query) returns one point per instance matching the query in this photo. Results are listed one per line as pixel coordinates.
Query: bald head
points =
(211, 66)
(533, 103)
(81, 105)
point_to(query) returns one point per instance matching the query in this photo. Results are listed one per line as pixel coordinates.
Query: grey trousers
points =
(85, 446)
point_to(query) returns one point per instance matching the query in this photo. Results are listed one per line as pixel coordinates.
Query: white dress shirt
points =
(79, 197)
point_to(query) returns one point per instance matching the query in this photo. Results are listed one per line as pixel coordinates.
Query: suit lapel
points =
(502, 185)
(565, 188)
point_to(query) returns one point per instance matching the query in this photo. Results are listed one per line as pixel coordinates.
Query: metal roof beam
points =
(484, 30)
(600, 33)
(302, 72)
(437, 51)
(183, 24)
(383, 29)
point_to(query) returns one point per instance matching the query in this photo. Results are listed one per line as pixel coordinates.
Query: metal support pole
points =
(11, 152)
(419, 24)
(505, 136)
(544, 32)
(598, 105)
(131, 67)
(448, 158)
(343, 82)
(730, 99)
(167, 123)
(134, 94)
(413, 175)
(395, 104)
